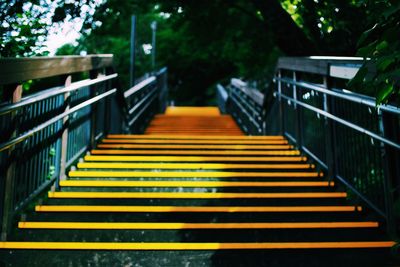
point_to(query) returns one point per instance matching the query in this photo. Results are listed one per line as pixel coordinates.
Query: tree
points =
(206, 42)
(25, 24)
(203, 43)
(380, 74)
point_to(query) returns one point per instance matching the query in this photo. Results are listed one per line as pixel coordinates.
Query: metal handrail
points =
(56, 91)
(343, 95)
(341, 121)
(76, 126)
(253, 94)
(249, 107)
(323, 127)
(142, 110)
(139, 86)
(134, 108)
(245, 112)
(40, 127)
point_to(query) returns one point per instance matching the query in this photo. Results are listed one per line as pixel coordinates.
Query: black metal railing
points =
(244, 104)
(354, 141)
(145, 99)
(45, 133)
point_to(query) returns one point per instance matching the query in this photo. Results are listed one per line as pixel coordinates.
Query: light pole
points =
(132, 56)
(153, 26)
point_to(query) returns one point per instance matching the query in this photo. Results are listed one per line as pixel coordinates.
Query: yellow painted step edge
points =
(191, 158)
(191, 174)
(196, 152)
(233, 225)
(114, 165)
(223, 209)
(190, 195)
(171, 136)
(191, 246)
(166, 146)
(97, 183)
(160, 141)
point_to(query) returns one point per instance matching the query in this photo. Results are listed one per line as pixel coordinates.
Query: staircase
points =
(194, 191)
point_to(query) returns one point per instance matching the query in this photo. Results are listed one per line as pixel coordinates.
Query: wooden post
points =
(9, 183)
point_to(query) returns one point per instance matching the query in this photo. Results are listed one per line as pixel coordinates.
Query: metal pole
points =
(387, 183)
(281, 115)
(329, 135)
(133, 42)
(153, 45)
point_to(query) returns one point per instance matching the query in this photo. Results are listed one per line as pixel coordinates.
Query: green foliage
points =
(203, 43)
(380, 46)
(333, 25)
(24, 25)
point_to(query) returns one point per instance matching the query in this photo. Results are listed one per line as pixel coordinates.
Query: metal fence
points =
(145, 99)
(244, 104)
(45, 133)
(350, 138)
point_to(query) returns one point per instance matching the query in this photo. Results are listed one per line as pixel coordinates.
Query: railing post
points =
(163, 89)
(329, 135)
(387, 186)
(93, 115)
(9, 182)
(281, 115)
(111, 115)
(64, 137)
(299, 122)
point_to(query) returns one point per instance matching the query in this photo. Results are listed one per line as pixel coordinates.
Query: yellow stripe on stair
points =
(177, 174)
(192, 246)
(160, 141)
(166, 146)
(192, 159)
(195, 111)
(221, 133)
(191, 195)
(185, 166)
(97, 183)
(196, 131)
(180, 226)
(196, 152)
(193, 137)
(222, 209)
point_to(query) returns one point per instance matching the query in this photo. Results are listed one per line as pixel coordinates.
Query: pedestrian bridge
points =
(302, 172)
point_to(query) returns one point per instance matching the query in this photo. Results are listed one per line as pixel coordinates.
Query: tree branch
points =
(287, 34)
